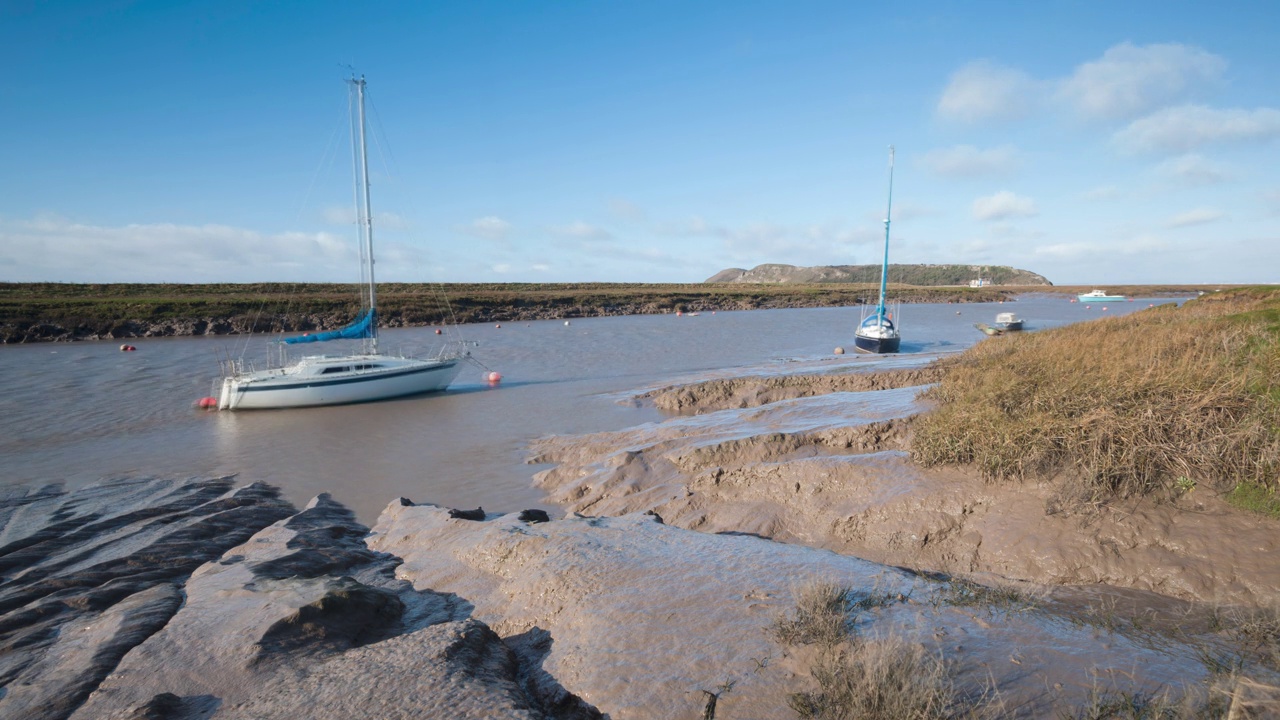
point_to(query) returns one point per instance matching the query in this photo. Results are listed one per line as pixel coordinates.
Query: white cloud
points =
(982, 91)
(582, 231)
(1130, 80)
(502, 268)
(1003, 204)
(969, 161)
(1104, 192)
(1192, 170)
(1186, 127)
(1198, 216)
(626, 210)
(1271, 199)
(540, 267)
(53, 248)
(488, 228)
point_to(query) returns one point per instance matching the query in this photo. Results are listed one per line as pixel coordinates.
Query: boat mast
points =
(884, 269)
(365, 217)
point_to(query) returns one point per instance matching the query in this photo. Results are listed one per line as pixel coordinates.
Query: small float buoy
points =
(127, 348)
(566, 322)
(207, 403)
(494, 378)
(437, 331)
(679, 313)
(499, 325)
(713, 312)
(1151, 305)
(957, 312)
(1104, 307)
(839, 351)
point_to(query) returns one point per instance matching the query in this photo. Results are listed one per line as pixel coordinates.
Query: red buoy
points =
(127, 348)
(437, 331)
(208, 403)
(498, 325)
(494, 378)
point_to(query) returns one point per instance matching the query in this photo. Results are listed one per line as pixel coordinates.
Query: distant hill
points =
(921, 275)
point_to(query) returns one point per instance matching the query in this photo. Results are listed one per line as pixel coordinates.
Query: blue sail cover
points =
(361, 328)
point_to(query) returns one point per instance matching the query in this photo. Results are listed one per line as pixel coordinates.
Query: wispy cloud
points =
(984, 91)
(1002, 205)
(54, 248)
(969, 161)
(488, 228)
(582, 231)
(1128, 80)
(1192, 169)
(1198, 216)
(1187, 127)
(624, 209)
(1103, 192)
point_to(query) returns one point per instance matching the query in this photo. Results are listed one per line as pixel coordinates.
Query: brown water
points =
(79, 412)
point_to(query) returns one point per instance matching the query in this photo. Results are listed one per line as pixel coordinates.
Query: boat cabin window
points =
(336, 369)
(367, 366)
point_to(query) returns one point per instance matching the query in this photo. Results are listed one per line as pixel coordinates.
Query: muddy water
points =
(79, 412)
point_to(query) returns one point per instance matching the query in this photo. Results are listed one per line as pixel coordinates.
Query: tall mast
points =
(888, 213)
(365, 215)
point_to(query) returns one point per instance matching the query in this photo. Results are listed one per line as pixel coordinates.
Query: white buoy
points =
(839, 351)
(566, 322)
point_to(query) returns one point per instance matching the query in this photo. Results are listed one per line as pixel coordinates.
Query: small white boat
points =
(1008, 321)
(1099, 296)
(877, 333)
(337, 379)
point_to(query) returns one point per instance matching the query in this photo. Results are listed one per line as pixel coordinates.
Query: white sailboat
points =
(337, 379)
(877, 333)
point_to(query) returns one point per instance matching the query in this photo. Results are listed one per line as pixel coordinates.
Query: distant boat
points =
(876, 333)
(1008, 321)
(338, 379)
(1099, 296)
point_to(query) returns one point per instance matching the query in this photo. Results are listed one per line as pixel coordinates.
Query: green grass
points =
(1121, 406)
(1256, 498)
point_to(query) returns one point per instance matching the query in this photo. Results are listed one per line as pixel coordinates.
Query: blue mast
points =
(884, 269)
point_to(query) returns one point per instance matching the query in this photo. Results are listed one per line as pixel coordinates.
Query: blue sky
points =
(1094, 143)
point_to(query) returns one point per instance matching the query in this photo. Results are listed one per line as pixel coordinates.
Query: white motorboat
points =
(1008, 321)
(337, 379)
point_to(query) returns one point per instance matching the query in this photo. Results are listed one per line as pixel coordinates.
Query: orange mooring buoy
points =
(207, 403)
(437, 331)
(494, 378)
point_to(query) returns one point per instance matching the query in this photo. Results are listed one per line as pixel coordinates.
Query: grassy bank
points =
(1160, 401)
(69, 311)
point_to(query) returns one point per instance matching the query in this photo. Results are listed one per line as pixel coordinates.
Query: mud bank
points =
(802, 459)
(160, 599)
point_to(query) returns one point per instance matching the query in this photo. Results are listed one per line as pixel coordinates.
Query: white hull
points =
(323, 380)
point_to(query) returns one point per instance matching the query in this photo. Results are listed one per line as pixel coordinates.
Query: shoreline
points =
(45, 312)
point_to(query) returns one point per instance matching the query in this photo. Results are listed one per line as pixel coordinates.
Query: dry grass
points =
(1155, 401)
(821, 616)
(887, 678)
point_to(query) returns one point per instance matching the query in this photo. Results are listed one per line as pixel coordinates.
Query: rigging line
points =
(387, 158)
(329, 156)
